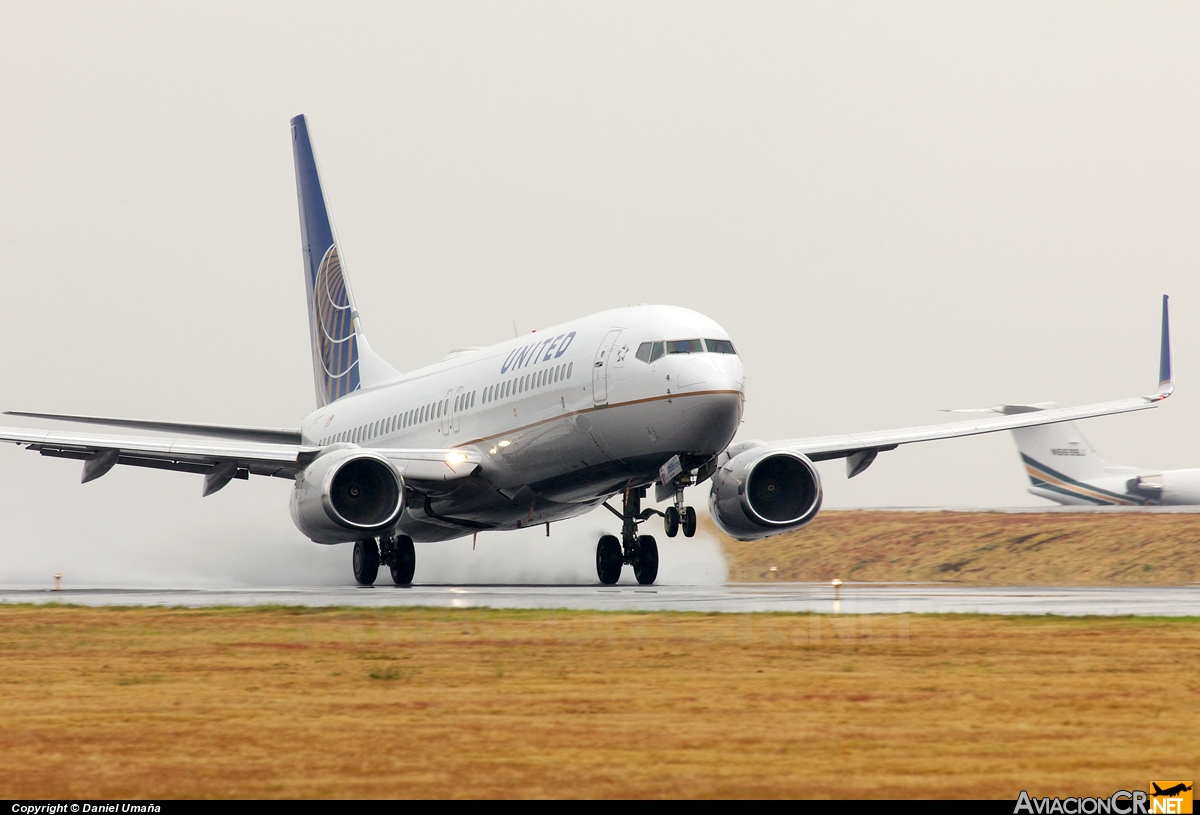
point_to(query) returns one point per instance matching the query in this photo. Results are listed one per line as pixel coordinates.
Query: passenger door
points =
(600, 367)
(447, 406)
(457, 406)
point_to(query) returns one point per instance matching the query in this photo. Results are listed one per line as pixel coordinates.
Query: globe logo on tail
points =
(336, 343)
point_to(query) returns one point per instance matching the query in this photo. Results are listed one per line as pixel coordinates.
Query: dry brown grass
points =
(419, 702)
(982, 548)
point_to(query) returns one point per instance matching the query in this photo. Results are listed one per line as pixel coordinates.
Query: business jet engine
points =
(347, 495)
(760, 491)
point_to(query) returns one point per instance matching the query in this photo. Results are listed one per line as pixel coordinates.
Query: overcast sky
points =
(892, 208)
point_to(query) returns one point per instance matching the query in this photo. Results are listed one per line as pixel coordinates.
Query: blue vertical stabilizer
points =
(331, 315)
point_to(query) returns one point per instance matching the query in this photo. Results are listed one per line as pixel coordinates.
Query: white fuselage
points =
(564, 417)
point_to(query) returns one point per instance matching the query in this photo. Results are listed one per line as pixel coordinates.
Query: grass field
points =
(981, 548)
(146, 702)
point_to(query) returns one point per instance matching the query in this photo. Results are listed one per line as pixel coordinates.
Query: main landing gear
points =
(638, 551)
(397, 553)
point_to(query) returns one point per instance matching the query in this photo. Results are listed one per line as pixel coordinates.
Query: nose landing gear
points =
(638, 551)
(679, 515)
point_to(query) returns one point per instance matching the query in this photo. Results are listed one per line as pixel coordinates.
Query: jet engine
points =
(347, 495)
(760, 491)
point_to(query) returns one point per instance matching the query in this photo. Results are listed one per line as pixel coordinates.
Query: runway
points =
(821, 598)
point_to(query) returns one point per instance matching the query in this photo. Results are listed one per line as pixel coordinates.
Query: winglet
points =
(1166, 376)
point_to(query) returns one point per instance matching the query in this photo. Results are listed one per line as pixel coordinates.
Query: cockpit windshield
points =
(650, 351)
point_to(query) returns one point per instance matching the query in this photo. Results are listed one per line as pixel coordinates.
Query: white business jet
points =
(533, 430)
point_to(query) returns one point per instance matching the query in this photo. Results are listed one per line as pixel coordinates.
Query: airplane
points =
(1169, 792)
(1064, 467)
(533, 430)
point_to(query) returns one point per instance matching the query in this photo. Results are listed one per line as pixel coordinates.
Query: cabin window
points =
(684, 347)
(719, 347)
(569, 369)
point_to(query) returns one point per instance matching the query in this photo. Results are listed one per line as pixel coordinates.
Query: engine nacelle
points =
(347, 495)
(761, 492)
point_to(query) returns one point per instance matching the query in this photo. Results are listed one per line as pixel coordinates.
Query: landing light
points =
(504, 443)
(456, 458)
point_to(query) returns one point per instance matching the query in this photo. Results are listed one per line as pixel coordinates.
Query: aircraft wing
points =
(273, 435)
(861, 448)
(819, 448)
(221, 461)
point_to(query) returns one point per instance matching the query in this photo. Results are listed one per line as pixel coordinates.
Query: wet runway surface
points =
(850, 598)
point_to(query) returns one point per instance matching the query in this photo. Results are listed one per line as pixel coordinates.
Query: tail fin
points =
(1059, 450)
(342, 360)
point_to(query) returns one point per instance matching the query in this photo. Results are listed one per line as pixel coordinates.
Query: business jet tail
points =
(342, 360)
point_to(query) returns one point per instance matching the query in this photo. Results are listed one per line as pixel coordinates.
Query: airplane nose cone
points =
(711, 372)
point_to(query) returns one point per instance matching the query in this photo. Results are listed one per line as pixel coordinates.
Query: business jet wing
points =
(221, 461)
(860, 449)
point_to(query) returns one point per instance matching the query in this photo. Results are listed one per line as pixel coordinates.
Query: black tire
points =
(366, 562)
(608, 560)
(646, 570)
(405, 562)
(671, 522)
(689, 522)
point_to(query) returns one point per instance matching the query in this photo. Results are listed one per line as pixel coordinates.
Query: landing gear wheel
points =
(671, 522)
(608, 560)
(366, 561)
(646, 567)
(689, 522)
(404, 561)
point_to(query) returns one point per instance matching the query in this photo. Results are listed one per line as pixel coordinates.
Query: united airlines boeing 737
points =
(533, 430)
